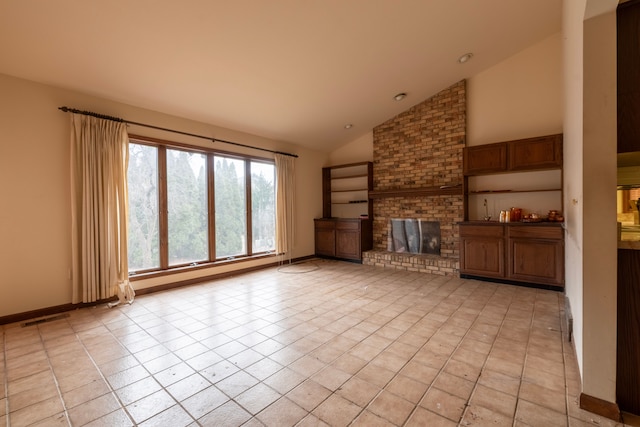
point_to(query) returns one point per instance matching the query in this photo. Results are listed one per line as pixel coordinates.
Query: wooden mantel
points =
(444, 190)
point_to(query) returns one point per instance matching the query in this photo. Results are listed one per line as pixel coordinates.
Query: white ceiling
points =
(290, 70)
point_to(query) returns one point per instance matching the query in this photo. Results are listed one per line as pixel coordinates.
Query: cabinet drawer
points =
(482, 230)
(537, 232)
(348, 225)
(320, 223)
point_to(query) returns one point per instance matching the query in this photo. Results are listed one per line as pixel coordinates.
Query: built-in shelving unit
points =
(346, 229)
(346, 190)
(527, 174)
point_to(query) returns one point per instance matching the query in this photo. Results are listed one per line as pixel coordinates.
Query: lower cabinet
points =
(325, 237)
(513, 252)
(482, 251)
(343, 238)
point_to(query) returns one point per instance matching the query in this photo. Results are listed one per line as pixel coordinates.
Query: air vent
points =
(45, 319)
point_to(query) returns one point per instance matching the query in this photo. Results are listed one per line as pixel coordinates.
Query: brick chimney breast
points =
(422, 147)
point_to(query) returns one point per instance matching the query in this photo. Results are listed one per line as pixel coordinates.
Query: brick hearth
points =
(420, 150)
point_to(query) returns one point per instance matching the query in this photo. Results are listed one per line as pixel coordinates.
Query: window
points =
(144, 216)
(188, 206)
(187, 202)
(263, 206)
(230, 207)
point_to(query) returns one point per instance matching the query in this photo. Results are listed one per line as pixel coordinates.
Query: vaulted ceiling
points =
(290, 70)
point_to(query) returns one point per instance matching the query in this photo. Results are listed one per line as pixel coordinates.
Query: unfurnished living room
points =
(320, 213)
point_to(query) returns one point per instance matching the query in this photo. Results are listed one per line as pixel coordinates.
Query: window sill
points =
(200, 266)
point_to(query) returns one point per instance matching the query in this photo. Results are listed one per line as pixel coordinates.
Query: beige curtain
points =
(99, 160)
(285, 188)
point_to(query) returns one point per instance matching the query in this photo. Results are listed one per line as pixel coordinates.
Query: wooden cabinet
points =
(526, 173)
(535, 153)
(513, 252)
(536, 254)
(544, 152)
(489, 158)
(343, 238)
(325, 237)
(346, 228)
(482, 251)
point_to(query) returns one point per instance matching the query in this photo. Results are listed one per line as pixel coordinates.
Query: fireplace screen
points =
(415, 236)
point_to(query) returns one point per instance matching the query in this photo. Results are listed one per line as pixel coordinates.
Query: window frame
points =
(210, 153)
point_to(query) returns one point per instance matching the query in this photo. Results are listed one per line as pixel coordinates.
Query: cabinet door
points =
(348, 244)
(482, 256)
(536, 260)
(536, 153)
(325, 238)
(485, 159)
(348, 240)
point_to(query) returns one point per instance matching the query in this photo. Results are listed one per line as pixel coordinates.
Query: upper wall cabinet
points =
(535, 153)
(485, 159)
(539, 153)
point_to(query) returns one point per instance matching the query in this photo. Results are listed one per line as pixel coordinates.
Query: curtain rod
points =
(118, 119)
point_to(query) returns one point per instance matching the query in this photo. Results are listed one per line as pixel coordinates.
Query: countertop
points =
(629, 244)
(628, 236)
(515, 224)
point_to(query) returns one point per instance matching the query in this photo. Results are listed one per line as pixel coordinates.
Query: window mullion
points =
(164, 209)
(211, 206)
(247, 182)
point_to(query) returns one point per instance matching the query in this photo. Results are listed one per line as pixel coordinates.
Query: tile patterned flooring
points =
(314, 344)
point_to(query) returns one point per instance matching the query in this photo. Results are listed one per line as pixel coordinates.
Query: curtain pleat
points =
(285, 189)
(99, 205)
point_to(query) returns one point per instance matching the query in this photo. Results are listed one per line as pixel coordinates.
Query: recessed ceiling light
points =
(464, 58)
(400, 96)
(348, 126)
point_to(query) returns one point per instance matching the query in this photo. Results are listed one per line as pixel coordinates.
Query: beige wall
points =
(358, 150)
(520, 97)
(590, 177)
(34, 171)
(600, 230)
(573, 16)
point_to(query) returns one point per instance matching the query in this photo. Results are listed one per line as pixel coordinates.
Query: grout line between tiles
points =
(5, 377)
(104, 379)
(55, 378)
(451, 357)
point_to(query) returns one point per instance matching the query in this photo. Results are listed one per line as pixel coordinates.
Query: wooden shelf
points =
(351, 190)
(350, 176)
(514, 191)
(358, 202)
(345, 185)
(444, 190)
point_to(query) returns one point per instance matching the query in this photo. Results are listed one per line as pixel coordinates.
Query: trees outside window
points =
(191, 206)
(143, 238)
(263, 206)
(187, 202)
(230, 207)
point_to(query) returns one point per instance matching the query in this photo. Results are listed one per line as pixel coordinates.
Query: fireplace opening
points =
(413, 235)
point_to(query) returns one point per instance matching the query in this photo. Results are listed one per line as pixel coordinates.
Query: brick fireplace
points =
(417, 173)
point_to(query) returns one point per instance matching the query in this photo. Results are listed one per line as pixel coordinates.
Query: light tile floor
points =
(340, 344)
